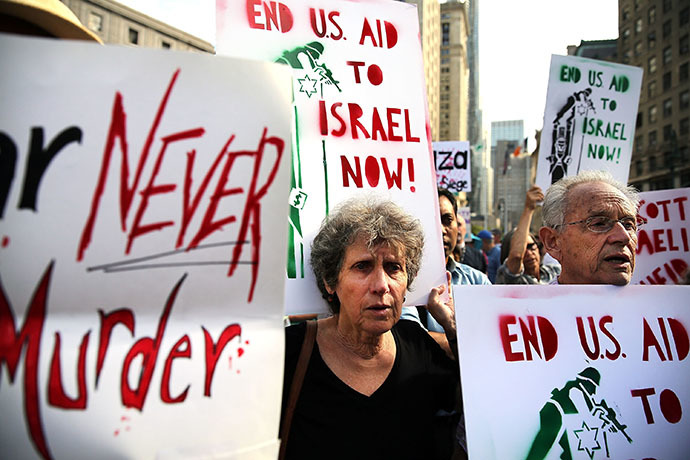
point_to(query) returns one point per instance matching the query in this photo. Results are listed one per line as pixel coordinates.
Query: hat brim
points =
(58, 20)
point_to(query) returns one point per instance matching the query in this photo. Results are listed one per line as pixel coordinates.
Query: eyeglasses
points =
(602, 224)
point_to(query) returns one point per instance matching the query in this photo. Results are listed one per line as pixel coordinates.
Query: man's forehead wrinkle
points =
(595, 200)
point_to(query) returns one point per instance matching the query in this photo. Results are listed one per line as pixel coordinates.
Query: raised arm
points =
(518, 242)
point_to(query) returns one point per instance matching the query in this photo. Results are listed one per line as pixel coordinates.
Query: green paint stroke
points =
(325, 174)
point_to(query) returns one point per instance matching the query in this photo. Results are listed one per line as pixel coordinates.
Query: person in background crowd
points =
(492, 252)
(42, 18)
(498, 237)
(460, 273)
(372, 382)
(590, 227)
(520, 255)
(467, 253)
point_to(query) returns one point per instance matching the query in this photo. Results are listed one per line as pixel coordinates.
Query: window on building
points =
(445, 70)
(445, 35)
(165, 45)
(668, 53)
(683, 45)
(95, 22)
(684, 100)
(684, 16)
(445, 52)
(638, 25)
(667, 81)
(651, 40)
(668, 4)
(668, 129)
(683, 72)
(666, 29)
(683, 155)
(652, 114)
(639, 143)
(638, 168)
(651, 15)
(445, 60)
(640, 120)
(684, 126)
(637, 4)
(652, 163)
(668, 107)
(652, 138)
(626, 35)
(668, 159)
(651, 89)
(651, 67)
(133, 36)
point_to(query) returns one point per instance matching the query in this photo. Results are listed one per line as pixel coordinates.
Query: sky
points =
(516, 41)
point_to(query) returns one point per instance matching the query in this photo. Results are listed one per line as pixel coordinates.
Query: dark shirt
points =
(475, 258)
(334, 421)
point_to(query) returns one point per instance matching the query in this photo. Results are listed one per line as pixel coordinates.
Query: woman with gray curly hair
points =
(372, 382)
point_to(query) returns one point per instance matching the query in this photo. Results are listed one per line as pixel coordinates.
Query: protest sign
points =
(589, 119)
(452, 162)
(361, 125)
(663, 243)
(581, 372)
(140, 289)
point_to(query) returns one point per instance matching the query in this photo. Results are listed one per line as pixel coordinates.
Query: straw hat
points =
(52, 16)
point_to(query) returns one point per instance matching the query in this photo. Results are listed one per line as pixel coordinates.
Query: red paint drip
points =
(124, 418)
(246, 342)
(240, 352)
(117, 432)
(5, 241)
(410, 172)
(230, 362)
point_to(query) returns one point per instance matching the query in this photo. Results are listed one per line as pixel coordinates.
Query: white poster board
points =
(589, 119)
(595, 371)
(361, 125)
(452, 162)
(141, 295)
(663, 243)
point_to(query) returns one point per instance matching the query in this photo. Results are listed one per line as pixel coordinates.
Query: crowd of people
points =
(381, 374)
(377, 379)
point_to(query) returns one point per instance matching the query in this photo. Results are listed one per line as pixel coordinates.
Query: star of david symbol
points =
(581, 109)
(307, 85)
(587, 439)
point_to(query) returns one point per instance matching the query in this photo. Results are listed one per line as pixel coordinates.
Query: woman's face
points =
(531, 258)
(371, 287)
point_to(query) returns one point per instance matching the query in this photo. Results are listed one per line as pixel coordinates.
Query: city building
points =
(511, 174)
(118, 24)
(602, 50)
(428, 11)
(474, 111)
(454, 72)
(654, 35)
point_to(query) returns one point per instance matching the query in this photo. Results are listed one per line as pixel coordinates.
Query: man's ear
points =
(552, 243)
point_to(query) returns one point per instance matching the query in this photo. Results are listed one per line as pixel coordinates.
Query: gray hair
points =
(556, 199)
(379, 222)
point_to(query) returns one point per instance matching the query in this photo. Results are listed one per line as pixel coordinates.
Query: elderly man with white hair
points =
(590, 224)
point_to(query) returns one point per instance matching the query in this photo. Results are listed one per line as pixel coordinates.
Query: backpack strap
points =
(296, 386)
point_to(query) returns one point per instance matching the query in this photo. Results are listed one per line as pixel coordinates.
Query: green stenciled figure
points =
(576, 398)
(307, 58)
